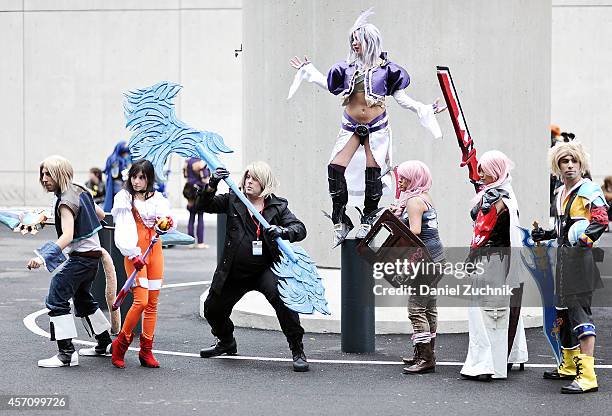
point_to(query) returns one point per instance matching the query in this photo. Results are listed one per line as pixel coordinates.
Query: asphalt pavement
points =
(260, 379)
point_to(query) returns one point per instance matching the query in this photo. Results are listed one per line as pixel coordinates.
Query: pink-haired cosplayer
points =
(416, 209)
(497, 333)
(363, 145)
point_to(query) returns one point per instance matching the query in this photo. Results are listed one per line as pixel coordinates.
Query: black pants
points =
(74, 282)
(574, 314)
(218, 307)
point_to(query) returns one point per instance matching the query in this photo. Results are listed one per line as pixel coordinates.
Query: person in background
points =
(197, 174)
(607, 190)
(96, 186)
(116, 168)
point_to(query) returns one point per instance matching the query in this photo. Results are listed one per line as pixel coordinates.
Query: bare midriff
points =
(358, 109)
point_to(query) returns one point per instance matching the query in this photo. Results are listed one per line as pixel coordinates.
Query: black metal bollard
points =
(357, 322)
(221, 225)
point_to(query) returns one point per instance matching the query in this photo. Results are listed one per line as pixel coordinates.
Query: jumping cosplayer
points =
(77, 222)
(363, 146)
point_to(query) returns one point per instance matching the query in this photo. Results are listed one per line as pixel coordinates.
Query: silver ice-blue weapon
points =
(157, 133)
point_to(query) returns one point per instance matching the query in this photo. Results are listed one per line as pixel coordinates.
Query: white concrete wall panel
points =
(77, 65)
(78, 57)
(11, 5)
(95, 5)
(11, 109)
(212, 75)
(581, 82)
(499, 55)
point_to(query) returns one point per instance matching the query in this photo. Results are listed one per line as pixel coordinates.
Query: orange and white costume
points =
(134, 230)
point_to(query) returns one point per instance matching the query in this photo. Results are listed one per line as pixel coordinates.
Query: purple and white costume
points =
(384, 79)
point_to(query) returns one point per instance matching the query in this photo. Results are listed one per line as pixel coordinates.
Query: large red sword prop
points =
(466, 144)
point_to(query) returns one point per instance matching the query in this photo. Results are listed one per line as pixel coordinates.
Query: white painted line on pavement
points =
(202, 282)
(30, 323)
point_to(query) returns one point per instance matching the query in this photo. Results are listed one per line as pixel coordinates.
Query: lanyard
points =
(257, 224)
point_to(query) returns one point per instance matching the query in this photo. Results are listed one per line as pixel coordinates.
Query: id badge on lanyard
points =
(258, 248)
(257, 244)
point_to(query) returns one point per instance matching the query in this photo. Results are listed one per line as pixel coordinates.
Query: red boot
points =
(119, 348)
(146, 355)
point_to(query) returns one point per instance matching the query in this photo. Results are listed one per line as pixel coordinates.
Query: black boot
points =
(66, 349)
(220, 347)
(373, 193)
(338, 192)
(66, 357)
(300, 363)
(102, 349)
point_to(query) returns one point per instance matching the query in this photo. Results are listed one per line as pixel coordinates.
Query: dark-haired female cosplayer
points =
(136, 209)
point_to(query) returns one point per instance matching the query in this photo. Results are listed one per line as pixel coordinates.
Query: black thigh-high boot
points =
(373, 193)
(338, 192)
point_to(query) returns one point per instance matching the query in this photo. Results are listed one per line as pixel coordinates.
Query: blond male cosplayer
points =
(77, 222)
(581, 219)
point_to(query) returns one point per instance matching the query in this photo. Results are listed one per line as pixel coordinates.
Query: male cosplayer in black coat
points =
(248, 254)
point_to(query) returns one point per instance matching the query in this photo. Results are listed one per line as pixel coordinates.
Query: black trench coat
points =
(276, 212)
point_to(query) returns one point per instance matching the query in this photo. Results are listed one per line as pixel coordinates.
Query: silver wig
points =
(369, 37)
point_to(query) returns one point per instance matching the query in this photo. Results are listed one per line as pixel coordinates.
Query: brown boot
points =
(425, 362)
(433, 348)
(415, 356)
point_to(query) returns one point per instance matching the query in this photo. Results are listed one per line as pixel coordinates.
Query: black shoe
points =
(220, 348)
(300, 364)
(574, 388)
(554, 375)
(102, 348)
(480, 377)
(521, 366)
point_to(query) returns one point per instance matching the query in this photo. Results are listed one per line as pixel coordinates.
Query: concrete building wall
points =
(581, 83)
(65, 65)
(499, 55)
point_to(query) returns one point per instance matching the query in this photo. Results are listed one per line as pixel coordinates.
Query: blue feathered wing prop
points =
(539, 264)
(157, 133)
(150, 115)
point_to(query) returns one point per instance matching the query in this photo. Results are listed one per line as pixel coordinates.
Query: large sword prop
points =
(540, 256)
(466, 144)
(539, 264)
(157, 132)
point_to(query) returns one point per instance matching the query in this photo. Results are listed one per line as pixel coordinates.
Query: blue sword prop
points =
(543, 275)
(157, 133)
